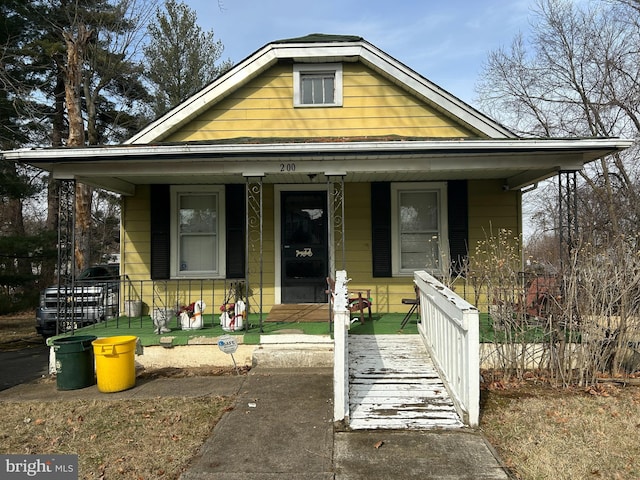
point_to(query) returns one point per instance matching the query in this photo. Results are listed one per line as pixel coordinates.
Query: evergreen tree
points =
(181, 58)
(19, 253)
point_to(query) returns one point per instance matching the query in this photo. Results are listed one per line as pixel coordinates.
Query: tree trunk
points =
(84, 195)
(75, 50)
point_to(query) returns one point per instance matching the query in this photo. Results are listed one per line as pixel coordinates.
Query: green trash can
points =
(74, 362)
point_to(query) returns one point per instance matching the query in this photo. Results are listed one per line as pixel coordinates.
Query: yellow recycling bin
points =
(115, 363)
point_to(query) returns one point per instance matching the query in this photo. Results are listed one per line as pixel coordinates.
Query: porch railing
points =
(449, 327)
(175, 294)
(123, 302)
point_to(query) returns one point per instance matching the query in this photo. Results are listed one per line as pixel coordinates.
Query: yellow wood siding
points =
(491, 209)
(386, 293)
(372, 106)
(136, 261)
(136, 248)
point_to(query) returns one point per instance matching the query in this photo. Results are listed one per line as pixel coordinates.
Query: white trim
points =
(443, 225)
(305, 68)
(599, 147)
(277, 227)
(219, 191)
(519, 163)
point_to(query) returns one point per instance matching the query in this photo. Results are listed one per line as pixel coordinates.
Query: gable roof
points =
(319, 47)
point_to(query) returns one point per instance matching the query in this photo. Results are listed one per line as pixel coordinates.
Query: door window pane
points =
(304, 220)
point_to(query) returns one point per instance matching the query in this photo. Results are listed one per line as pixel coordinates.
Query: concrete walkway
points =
(282, 428)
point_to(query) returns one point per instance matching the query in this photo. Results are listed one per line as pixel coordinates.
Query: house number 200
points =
(287, 167)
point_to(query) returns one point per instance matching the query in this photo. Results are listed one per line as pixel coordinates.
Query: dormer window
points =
(317, 85)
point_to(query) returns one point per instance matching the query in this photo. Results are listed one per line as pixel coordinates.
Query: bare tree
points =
(577, 75)
(99, 40)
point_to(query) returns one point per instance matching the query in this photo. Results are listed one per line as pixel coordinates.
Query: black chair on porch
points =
(415, 304)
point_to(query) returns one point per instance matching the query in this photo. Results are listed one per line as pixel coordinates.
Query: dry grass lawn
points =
(114, 439)
(18, 331)
(540, 432)
(545, 433)
(122, 439)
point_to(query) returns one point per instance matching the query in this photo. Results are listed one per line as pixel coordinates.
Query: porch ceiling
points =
(518, 163)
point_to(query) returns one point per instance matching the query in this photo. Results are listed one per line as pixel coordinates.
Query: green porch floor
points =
(142, 327)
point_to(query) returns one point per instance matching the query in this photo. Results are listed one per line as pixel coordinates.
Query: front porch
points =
(143, 328)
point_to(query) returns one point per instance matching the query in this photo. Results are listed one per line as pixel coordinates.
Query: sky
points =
(445, 41)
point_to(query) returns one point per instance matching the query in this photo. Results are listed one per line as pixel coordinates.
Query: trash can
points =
(115, 363)
(74, 362)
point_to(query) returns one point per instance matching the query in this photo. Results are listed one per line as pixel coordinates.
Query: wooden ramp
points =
(394, 385)
(299, 312)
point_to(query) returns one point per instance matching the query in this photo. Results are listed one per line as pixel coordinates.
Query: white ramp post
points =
(341, 322)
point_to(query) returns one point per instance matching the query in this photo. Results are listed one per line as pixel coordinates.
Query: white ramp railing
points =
(449, 326)
(341, 324)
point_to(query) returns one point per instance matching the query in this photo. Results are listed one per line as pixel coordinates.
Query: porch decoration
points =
(191, 316)
(233, 312)
(232, 315)
(160, 317)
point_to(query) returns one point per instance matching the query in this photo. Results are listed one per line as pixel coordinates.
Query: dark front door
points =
(304, 247)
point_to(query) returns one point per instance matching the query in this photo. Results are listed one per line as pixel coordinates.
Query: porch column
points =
(66, 263)
(254, 239)
(66, 230)
(337, 253)
(567, 214)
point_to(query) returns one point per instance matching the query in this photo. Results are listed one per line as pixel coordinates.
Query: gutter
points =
(601, 147)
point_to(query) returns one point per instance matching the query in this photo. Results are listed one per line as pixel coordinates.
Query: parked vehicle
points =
(92, 298)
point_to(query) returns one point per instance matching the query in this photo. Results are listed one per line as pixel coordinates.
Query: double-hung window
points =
(198, 232)
(317, 85)
(419, 227)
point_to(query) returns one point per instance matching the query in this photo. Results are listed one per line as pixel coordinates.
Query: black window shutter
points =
(381, 228)
(160, 206)
(235, 218)
(458, 216)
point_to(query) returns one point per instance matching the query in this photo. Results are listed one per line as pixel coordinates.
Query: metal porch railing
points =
(125, 302)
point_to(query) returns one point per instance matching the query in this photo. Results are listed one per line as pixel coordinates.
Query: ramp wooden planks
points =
(394, 385)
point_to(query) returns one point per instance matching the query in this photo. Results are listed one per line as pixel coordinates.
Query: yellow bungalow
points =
(314, 154)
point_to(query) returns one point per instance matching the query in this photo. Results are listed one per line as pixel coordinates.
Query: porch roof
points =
(517, 162)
